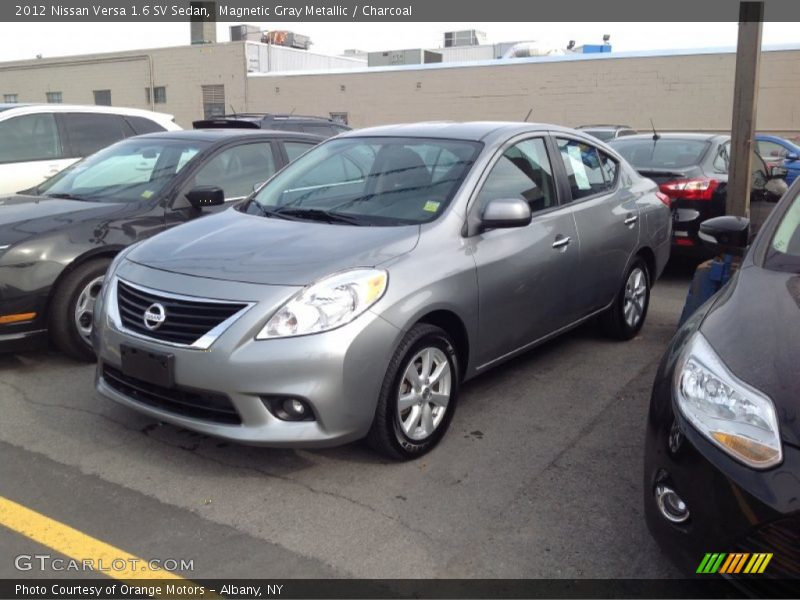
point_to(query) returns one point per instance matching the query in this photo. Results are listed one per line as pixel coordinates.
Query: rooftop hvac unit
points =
(465, 37)
(290, 39)
(245, 33)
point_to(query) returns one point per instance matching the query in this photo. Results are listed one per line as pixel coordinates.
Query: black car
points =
(321, 126)
(57, 241)
(692, 169)
(722, 457)
(607, 133)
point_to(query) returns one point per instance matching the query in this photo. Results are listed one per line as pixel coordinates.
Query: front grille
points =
(209, 406)
(185, 321)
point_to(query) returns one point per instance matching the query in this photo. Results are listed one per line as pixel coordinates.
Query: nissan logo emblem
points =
(154, 316)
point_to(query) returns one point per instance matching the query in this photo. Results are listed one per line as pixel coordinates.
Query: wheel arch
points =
(450, 322)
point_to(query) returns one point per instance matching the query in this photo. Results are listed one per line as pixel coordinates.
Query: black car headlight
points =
(735, 416)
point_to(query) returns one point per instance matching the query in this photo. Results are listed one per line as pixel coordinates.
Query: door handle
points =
(631, 220)
(561, 242)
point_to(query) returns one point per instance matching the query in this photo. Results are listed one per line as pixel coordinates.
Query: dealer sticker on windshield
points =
(147, 194)
(431, 206)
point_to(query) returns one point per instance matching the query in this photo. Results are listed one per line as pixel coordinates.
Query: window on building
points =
(522, 172)
(102, 97)
(213, 100)
(159, 94)
(10, 98)
(54, 98)
(339, 117)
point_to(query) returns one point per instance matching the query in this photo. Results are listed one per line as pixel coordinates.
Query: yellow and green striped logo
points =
(735, 563)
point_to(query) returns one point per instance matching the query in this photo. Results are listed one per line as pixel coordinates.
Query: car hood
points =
(755, 330)
(234, 246)
(22, 216)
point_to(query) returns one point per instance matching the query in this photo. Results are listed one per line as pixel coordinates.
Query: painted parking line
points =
(84, 549)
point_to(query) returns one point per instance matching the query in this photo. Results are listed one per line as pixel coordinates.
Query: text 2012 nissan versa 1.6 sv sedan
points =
(358, 288)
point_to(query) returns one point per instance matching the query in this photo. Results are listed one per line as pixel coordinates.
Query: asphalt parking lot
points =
(539, 475)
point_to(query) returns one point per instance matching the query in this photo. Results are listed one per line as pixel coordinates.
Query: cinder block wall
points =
(687, 92)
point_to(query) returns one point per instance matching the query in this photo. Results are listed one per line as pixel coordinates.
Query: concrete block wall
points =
(679, 92)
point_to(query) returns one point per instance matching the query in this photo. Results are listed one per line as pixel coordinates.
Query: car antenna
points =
(525, 120)
(656, 137)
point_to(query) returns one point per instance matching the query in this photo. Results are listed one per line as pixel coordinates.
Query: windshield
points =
(369, 181)
(784, 249)
(601, 134)
(131, 170)
(665, 153)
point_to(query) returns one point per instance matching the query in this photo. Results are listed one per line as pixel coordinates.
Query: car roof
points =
(675, 136)
(469, 131)
(613, 127)
(114, 110)
(216, 135)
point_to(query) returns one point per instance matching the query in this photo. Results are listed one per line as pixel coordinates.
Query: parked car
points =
(722, 457)
(321, 126)
(355, 292)
(39, 140)
(606, 133)
(57, 241)
(782, 151)
(692, 169)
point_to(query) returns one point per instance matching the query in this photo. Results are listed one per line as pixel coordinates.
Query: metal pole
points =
(745, 99)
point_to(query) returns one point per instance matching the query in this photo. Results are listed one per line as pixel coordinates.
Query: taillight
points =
(664, 198)
(701, 188)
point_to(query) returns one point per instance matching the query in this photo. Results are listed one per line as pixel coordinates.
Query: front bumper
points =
(338, 373)
(732, 508)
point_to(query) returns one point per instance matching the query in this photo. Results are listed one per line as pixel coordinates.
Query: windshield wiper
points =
(315, 214)
(65, 196)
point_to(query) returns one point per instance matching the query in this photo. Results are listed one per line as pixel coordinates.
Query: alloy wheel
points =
(84, 308)
(424, 393)
(635, 297)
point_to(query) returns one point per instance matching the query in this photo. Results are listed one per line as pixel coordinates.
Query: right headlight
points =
(736, 417)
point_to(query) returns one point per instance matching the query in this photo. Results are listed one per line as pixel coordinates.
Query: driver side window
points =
(523, 171)
(236, 170)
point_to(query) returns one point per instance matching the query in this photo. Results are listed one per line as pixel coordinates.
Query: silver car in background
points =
(354, 292)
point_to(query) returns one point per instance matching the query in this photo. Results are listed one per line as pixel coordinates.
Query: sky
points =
(26, 40)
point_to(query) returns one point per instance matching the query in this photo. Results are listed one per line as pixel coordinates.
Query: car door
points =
(30, 151)
(236, 168)
(524, 273)
(607, 220)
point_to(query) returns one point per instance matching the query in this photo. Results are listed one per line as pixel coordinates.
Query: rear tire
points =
(72, 309)
(625, 318)
(418, 396)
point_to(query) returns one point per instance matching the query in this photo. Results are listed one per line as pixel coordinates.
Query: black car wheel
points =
(72, 309)
(626, 316)
(418, 396)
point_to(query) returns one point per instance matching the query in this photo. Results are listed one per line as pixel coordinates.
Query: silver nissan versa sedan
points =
(353, 293)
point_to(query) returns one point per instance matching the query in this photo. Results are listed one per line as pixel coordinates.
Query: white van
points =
(39, 140)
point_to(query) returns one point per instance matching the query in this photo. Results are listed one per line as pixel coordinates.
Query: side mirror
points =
(203, 196)
(505, 214)
(792, 156)
(728, 234)
(778, 172)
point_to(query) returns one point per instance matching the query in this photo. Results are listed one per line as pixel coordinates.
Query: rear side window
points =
(295, 149)
(522, 172)
(610, 169)
(584, 168)
(723, 158)
(89, 132)
(28, 138)
(141, 125)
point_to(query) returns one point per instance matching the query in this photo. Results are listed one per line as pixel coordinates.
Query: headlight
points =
(733, 415)
(327, 304)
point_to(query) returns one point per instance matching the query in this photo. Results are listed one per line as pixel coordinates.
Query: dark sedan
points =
(692, 169)
(57, 240)
(722, 458)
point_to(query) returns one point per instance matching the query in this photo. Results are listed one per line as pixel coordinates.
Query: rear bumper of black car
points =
(732, 508)
(686, 218)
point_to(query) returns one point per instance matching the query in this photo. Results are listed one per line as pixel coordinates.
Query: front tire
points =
(72, 309)
(626, 316)
(418, 396)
